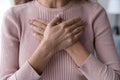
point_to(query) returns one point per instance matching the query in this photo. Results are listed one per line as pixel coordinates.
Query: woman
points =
(55, 40)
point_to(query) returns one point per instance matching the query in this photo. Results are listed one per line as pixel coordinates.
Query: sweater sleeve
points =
(9, 59)
(106, 66)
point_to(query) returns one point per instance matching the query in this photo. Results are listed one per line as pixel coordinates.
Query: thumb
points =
(55, 20)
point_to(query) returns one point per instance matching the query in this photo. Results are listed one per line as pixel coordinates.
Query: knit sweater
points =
(18, 44)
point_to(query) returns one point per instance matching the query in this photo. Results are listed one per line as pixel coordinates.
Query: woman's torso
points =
(61, 66)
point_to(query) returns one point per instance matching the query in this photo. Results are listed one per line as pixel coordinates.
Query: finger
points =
(70, 22)
(55, 21)
(45, 22)
(78, 24)
(38, 36)
(77, 30)
(77, 36)
(67, 36)
(38, 24)
(37, 29)
(75, 26)
(73, 34)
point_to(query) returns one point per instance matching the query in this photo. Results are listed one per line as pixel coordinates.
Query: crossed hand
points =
(57, 33)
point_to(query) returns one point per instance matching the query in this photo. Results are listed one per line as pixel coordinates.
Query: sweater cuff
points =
(91, 66)
(26, 72)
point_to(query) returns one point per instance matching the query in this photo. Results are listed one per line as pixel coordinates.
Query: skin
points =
(55, 36)
(53, 3)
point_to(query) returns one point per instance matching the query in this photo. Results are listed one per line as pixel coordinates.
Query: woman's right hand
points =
(62, 35)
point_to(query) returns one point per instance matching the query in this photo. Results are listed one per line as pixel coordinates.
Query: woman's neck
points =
(53, 3)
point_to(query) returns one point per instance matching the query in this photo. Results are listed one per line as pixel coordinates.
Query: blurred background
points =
(112, 8)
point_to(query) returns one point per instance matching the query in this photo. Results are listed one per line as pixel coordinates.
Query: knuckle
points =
(56, 18)
(63, 24)
(69, 34)
(74, 20)
(79, 29)
(67, 30)
(35, 22)
(71, 40)
(79, 34)
(39, 24)
(49, 25)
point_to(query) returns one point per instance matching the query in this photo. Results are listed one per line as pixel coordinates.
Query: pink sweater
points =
(18, 44)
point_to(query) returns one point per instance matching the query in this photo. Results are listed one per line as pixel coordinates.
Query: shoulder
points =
(91, 9)
(17, 9)
(90, 6)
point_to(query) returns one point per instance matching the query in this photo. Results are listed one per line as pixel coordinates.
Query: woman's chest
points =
(30, 43)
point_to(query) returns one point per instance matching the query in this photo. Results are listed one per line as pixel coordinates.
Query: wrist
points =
(46, 46)
(73, 47)
(78, 52)
(40, 57)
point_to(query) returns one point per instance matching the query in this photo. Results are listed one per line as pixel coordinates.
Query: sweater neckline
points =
(68, 5)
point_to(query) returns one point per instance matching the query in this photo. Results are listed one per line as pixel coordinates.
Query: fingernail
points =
(58, 15)
(34, 34)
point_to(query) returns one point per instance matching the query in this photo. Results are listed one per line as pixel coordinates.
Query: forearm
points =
(40, 57)
(78, 53)
(88, 63)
